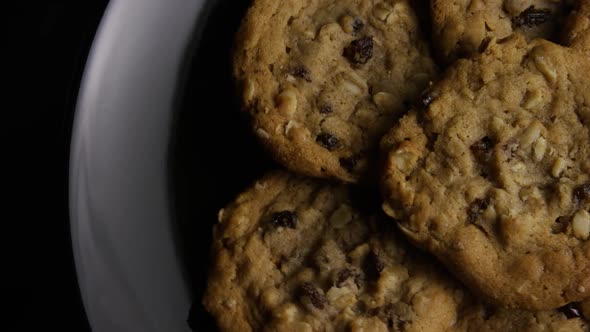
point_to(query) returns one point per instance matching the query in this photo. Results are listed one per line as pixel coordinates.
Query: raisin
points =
(581, 193)
(317, 299)
(357, 25)
(570, 310)
(301, 71)
(326, 109)
(328, 141)
(531, 17)
(346, 274)
(482, 150)
(476, 208)
(348, 163)
(284, 219)
(484, 43)
(560, 225)
(359, 51)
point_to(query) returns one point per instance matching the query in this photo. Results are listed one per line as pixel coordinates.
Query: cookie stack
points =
(482, 157)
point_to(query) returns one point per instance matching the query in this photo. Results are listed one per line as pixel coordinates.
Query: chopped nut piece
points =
(382, 11)
(531, 134)
(558, 167)
(290, 125)
(581, 225)
(262, 133)
(384, 100)
(403, 160)
(340, 297)
(288, 312)
(287, 102)
(532, 99)
(351, 87)
(271, 297)
(342, 216)
(542, 65)
(249, 90)
(539, 149)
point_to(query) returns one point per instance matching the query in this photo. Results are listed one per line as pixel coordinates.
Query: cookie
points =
(493, 174)
(482, 318)
(322, 80)
(577, 31)
(297, 254)
(461, 27)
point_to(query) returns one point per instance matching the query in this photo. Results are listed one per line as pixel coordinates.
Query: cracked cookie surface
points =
(493, 174)
(577, 31)
(323, 80)
(461, 26)
(297, 254)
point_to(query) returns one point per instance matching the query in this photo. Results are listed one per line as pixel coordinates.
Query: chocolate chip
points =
(346, 274)
(357, 25)
(326, 109)
(570, 310)
(581, 193)
(328, 141)
(359, 51)
(316, 298)
(284, 219)
(476, 208)
(301, 71)
(348, 163)
(531, 17)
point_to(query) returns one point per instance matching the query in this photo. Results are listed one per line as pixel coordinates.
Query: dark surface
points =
(47, 45)
(214, 154)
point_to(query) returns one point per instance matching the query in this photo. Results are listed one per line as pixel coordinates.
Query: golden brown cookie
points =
(460, 27)
(297, 254)
(323, 80)
(493, 174)
(577, 31)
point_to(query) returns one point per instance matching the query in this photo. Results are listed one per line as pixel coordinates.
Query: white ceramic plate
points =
(130, 274)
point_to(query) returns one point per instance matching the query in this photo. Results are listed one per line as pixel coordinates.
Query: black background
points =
(47, 44)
